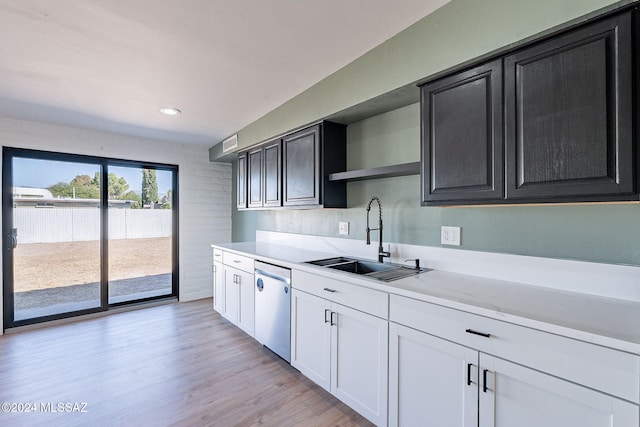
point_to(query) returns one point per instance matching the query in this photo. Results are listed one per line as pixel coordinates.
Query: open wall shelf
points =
(374, 173)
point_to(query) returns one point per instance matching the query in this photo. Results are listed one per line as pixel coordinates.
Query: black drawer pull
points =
(482, 334)
(469, 373)
(330, 290)
(484, 380)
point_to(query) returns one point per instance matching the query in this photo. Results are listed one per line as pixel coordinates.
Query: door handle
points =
(482, 334)
(325, 315)
(14, 238)
(334, 322)
(484, 380)
(469, 365)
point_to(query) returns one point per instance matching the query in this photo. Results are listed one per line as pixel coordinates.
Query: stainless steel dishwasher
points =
(273, 308)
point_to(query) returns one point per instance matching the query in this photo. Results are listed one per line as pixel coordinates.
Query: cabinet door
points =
(519, 396)
(359, 362)
(272, 193)
(569, 123)
(254, 178)
(231, 294)
(462, 136)
(218, 287)
(301, 162)
(242, 181)
(246, 311)
(431, 381)
(311, 337)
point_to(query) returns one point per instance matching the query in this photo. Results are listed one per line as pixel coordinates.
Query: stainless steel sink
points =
(361, 267)
(385, 272)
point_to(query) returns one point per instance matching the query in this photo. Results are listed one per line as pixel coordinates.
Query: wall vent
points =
(230, 143)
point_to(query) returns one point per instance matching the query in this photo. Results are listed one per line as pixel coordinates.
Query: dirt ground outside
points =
(54, 265)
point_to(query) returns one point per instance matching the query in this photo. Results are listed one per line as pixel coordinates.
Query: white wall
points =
(204, 187)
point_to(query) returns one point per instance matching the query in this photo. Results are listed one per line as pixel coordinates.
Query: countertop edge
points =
(544, 326)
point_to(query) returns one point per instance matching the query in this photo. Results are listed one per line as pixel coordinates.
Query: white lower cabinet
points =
(343, 350)
(239, 299)
(433, 381)
(218, 287)
(233, 294)
(516, 395)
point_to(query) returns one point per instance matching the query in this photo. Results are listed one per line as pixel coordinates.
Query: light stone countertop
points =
(600, 320)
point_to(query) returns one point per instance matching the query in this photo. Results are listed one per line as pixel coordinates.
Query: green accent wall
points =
(459, 32)
(591, 232)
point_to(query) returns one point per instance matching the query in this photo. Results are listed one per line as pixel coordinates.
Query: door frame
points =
(8, 153)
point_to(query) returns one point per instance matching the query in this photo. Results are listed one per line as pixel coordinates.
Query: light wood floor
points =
(179, 364)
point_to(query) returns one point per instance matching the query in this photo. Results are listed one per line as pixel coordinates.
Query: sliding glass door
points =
(55, 237)
(82, 234)
(140, 235)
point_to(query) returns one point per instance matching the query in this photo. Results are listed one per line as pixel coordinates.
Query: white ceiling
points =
(111, 64)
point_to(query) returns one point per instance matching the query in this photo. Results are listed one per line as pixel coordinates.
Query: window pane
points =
(140, 233)
(56, 221)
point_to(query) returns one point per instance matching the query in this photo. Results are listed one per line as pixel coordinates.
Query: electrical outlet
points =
(450, 235)
(343, 228)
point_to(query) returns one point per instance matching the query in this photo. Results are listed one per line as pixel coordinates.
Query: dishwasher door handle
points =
(273, 276)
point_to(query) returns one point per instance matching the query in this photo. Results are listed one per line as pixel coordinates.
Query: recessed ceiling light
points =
(170, 111)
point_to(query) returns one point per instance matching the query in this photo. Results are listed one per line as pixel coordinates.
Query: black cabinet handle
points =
(484, 380)
(482, 334)
(469, 373)
(334, 322)
(330, 290)
(325, 315)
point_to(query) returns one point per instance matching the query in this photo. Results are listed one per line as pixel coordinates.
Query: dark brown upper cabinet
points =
(308, 157)
(547, 123)
(302, 167)
(263, 176)
(462, 144)
(272, 178)
(293, 171)
(242, 181)
(254, 177)
(569, 115)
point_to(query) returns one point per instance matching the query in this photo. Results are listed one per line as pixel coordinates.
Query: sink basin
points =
(361, 267)
(385, 272)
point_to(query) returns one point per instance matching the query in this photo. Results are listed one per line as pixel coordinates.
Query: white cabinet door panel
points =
(246, 309)
(231, 295)
(431, 381)
(359, 374)
(218, 287)
(523, 397)
(311, 337)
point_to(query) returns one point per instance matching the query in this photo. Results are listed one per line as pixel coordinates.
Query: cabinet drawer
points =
(217, 255)
(353, 296)
(238, 261)
(608, 370)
